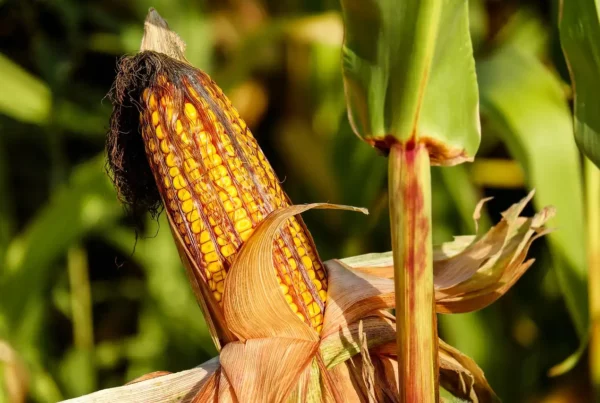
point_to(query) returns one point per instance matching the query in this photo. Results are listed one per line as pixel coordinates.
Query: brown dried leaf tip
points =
(176, 138)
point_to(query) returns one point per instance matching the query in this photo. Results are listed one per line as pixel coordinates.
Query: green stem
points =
(410, 218)
(592, 177)
(81, 299)
(81, 316)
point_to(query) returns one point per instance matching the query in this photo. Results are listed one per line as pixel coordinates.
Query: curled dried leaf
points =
(368, 370)
(500, 272)
(461, 376)
(354, 295)
(471, 272)
(339, 346)
(253, 304)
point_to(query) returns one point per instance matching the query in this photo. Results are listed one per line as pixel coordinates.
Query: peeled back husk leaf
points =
(361, 300)
(266, 369)
(253, 303)
(471, 272)
(257, 313)
(462, 377)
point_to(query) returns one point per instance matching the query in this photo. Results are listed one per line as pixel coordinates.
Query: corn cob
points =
(217, 186)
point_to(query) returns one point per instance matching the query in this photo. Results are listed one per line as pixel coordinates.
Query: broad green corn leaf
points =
(525, 103)
(23, 96)
(580, 38)
(409, 73)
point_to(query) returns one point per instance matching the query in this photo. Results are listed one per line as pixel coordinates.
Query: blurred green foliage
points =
(86, 304)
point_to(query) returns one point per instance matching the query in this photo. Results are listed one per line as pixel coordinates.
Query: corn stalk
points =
(410, 218)
(399, 96)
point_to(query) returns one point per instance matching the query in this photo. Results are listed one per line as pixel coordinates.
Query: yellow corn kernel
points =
(187, 206)
(243, 224)
(164, 146)
(215, 267)
(317, 320)
(220, 286)
(184, 194)
(190, 111)
(207, 247)
(323, 295)
(293, 264)
(196, 226)
(313, 309)
(159, 133)
(227, 250)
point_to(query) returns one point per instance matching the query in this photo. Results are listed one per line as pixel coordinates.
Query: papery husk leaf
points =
(472, 272)
(253, 303)
(178, 387)
(266, 369)
(339, 346)
(300, 392)
(308, 388)
(463, 266)
(382, 264)
(150, 375)
(478, 210)
(357, 388)
(353, 295)
(461, 376)
(368, 371)
(317, 385)
(386, 373)
(497, 275)
(158, 37)
(343, 378)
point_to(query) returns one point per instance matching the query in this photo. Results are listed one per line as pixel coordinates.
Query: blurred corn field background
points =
(87, 302)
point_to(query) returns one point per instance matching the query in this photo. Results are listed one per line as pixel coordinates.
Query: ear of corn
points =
(217, 187)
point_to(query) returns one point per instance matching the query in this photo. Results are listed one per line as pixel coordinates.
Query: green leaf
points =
(580, 38)
(450, 109)
(86, 204)
(525, 103)
(409, 73)
(23, 96)
(6, 204)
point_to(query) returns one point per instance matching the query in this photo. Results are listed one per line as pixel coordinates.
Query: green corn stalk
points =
(411, 91)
